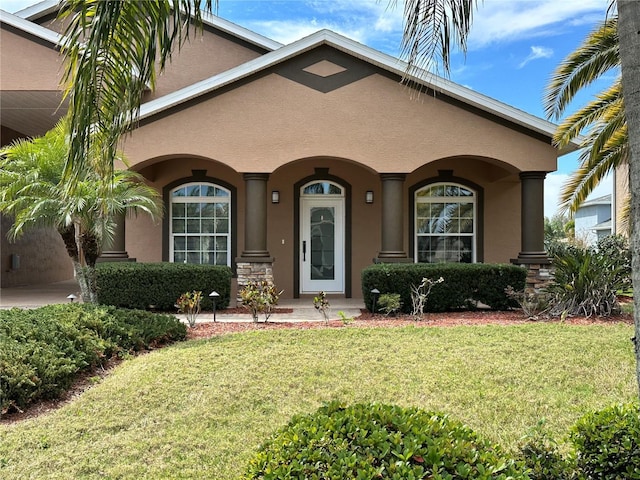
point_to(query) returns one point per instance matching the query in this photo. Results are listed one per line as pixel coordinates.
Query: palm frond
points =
(430, 27)
(598, 54)
(111, 47)
(606, 105)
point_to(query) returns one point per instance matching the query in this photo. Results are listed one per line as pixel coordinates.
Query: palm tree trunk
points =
(629, 33)
(85, 291)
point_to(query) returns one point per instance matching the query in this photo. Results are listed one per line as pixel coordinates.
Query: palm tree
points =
(34, 192)
(628, 28)
(600, 125)
(112, 47)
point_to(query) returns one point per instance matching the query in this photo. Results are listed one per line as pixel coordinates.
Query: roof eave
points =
(39, 10)
(31, 28)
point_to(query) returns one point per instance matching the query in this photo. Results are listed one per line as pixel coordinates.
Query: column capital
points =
(399, 177)
(255, 176)
(533, 175)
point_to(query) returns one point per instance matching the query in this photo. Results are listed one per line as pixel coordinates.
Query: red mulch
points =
(365, 320)
(368, 320)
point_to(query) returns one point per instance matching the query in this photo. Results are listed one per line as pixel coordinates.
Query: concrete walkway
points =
(39, 295)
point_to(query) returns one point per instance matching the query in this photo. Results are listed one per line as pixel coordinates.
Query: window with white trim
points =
(445, 223)
(200, 227)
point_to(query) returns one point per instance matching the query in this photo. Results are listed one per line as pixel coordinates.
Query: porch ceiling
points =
(31, 113)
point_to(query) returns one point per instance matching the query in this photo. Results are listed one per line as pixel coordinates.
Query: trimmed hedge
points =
(464, 284)
(158, 285)
(607, 443)
(365, 441)
(42, 350)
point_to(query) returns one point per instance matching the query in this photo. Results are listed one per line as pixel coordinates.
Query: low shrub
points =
(607, 443)
(389, 303)
(463, 285)
(585, 282)
(142, 285)
(260, 298)
(42, 350)
(366, 441)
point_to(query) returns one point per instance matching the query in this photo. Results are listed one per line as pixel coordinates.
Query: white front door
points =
(322, 244)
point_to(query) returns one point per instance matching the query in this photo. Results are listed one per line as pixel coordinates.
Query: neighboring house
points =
(303, 162)
(593, 220)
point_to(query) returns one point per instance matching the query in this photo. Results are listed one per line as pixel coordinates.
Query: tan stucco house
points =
(306, 161)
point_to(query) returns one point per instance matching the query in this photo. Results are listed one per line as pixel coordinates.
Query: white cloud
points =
(508, 20)
(537, 52)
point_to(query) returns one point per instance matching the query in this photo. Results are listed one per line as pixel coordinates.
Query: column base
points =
(253, 270)
(115, 256)
(539, 273)
(392, 257)
(527, 258)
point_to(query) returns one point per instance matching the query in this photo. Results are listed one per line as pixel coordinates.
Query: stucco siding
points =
(28, 65)
(272, 121)
(42, 257)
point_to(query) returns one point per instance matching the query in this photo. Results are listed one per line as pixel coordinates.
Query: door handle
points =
(304, 250)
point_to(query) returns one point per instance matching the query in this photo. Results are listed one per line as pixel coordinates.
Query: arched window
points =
(321, 188)
(445, 226)
(200, 227)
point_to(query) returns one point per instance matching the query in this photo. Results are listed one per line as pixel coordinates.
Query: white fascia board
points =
(227, 77)
(31, 28)
(382, 60)
(46, 7)
(240, 32)
(40, 9)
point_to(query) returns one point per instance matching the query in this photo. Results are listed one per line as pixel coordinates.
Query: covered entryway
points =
(322, 237)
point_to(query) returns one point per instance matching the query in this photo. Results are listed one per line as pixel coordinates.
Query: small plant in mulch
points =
(534, 304)
(346, 320)
(420, 294)
(321, 303)
(389, 304)
(189, 304)
(260, 297)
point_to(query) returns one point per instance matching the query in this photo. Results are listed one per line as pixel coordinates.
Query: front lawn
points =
(199, 409)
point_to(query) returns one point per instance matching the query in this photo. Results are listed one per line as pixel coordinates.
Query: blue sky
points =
(513, 49)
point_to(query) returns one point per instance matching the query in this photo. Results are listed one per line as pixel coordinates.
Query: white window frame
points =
(418, 200)
(200, 199)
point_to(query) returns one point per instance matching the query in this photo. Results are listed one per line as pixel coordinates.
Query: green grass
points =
(198, 409)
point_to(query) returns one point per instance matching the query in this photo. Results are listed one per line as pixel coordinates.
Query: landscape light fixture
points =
(375, 293)
(71, 297)
(214, 297)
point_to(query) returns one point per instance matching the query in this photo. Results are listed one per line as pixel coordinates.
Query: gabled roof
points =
(31, 28)
(39, 10)
(603, 200)
(386, 62)
(277, 53)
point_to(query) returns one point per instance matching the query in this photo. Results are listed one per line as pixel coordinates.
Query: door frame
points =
(307, 204)
(322, 174)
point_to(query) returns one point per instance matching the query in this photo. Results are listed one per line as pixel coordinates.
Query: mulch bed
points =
(368, 320)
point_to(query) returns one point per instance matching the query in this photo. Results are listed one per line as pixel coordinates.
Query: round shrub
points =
(607, 443)
(369, 441)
